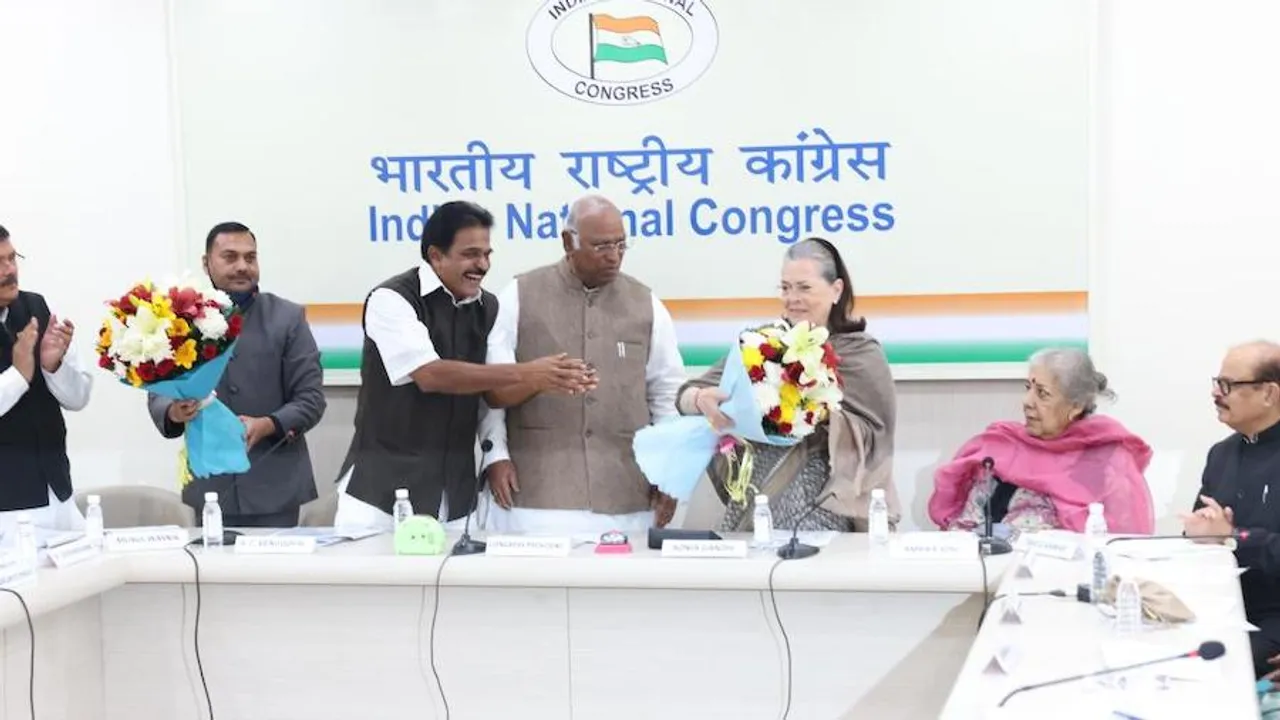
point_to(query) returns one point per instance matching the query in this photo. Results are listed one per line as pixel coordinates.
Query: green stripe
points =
(638, 53)
(969, 353)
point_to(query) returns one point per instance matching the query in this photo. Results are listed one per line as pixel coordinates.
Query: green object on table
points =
(420, 535)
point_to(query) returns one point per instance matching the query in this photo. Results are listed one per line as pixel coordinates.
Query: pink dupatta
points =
(1095, 460)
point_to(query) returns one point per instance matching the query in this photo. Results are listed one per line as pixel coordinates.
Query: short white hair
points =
(1077, 378)
(583, 207)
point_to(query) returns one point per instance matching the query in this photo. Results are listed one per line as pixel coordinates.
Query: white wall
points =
(1185, 258)
(87, 188)
(1182, 258)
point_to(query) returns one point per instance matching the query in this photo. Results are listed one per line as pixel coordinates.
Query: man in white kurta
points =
(563, 463)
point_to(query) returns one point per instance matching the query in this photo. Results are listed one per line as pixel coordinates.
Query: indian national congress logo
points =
(622, 52)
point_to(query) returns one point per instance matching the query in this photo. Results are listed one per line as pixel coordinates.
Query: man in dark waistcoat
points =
(39, 378)
(422, 374)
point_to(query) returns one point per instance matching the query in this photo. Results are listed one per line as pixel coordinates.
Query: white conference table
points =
(1058, 638)
(345, 633)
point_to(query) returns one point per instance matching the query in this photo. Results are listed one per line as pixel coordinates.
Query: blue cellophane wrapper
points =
(215, 436)
(674, 454)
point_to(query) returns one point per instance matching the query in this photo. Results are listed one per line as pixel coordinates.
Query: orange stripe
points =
(1046, 303)
(625, 25)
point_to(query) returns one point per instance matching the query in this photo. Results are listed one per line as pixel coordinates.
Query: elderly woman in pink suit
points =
(1048, 469)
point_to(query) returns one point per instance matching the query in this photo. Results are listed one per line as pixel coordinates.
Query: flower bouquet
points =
(781, 381)
(175, 340)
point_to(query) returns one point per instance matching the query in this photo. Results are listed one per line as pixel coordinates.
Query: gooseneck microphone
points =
(1238, 535)
(1209, 650)
(288, 437)
(465, 545)
(989, 544)
(794, 549)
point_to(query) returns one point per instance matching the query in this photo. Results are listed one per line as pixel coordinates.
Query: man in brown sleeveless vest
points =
(564, 463)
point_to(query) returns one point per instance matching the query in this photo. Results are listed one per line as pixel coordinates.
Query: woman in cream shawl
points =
(849, 456)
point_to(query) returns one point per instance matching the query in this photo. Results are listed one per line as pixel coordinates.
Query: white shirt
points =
(392, 324)
(663, 373)
(70, 385)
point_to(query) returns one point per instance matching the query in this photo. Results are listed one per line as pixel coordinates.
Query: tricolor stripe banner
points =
(626, 40)
(974, 329)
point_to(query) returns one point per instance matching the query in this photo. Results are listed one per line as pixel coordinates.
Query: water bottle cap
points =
(762, 499)
(402, 493)
(878, 493)
(95, 499)
(211, 497)
(1095, 508)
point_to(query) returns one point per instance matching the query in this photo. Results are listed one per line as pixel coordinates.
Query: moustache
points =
(8, 280)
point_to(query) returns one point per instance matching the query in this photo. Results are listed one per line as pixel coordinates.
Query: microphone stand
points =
(794, 549)
(229, 536)
(989, 544)
(1210, 650)
(465, 545)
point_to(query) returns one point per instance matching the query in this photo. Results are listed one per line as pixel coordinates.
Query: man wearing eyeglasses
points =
(564, 463)
(38, 380)
(1235, 496)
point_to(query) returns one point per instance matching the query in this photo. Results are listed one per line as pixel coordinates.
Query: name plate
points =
(14, 572)
(169, 537)
(74, 552)
(1049, 545)
(934, 546)
(525, 546)
(275, 545)
(704, 548)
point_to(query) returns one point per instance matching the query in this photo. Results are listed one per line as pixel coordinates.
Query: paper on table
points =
(326, 536)
(1162, 549)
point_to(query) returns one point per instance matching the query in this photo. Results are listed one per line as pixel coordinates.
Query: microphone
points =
(288, 437)
(794, 549)
(989, 544)
(1237, 535)
(1040, 593)
(1210, 650)
(465, 545)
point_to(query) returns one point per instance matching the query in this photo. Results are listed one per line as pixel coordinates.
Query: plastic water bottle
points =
(403, 509)
(1098, 578)
(212, 521)
(1095, 542)
(93, 521)
(27, 550)
(762, 523)
(878, 520)
(1128, 607)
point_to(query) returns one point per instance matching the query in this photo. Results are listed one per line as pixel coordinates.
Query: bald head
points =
(1247, 389)
(595, 239)
(588, 207)
(1263, 356)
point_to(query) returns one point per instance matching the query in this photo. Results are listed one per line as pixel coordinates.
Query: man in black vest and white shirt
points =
(422, 374)
(38, 379)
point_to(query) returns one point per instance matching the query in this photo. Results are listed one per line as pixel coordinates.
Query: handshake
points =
(559, 373)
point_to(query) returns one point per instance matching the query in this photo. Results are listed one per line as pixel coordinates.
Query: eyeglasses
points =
(1224, 386)
(12, 259)
(619, 246)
